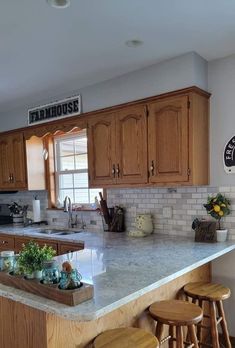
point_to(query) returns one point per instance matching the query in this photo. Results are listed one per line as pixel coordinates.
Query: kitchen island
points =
(128, 275)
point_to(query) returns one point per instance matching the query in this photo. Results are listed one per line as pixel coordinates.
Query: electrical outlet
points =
(54, 219)
(167, 212)
(93, 222)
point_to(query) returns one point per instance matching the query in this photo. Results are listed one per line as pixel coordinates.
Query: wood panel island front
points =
(128, 275)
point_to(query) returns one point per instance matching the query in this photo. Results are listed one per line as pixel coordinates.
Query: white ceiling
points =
(43, 50)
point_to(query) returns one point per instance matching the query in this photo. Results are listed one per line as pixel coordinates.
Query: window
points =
(72, 169)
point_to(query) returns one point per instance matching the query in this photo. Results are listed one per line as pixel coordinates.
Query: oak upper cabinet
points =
(131, 145)
(21, 162)
(101, 150)
(168, 140)
(12, 162)
(117, 147)
(178, 139)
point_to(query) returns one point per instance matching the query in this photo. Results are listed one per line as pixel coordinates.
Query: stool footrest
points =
(163, 340)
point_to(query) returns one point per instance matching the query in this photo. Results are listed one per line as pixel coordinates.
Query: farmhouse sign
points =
(63, 108)
(229, 156)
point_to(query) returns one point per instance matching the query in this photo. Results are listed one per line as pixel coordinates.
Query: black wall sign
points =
(63, 108)
(229, 156)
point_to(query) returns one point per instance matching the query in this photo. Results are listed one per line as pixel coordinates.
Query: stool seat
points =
(126, 338)
(207, 291)
(175, 312)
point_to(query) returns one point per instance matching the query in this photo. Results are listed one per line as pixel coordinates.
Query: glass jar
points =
(50, 272)
(70, 280)
(7, 260)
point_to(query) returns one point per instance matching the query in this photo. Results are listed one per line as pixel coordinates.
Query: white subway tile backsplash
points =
(186, 203)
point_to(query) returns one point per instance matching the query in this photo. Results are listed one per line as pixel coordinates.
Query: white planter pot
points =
(37, 274)
(221, 235)
(18, 219)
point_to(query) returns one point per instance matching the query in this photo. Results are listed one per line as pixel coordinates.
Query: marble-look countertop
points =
(122, 269)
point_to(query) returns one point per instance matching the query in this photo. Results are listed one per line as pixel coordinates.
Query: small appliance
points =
(5, 217)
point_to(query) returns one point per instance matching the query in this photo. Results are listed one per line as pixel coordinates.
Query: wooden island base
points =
(24, 327)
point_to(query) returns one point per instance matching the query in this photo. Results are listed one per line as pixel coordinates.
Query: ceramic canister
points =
(144, 223)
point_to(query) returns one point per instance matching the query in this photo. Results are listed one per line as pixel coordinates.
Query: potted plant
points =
(31, 259)
(218, 207)
(18, 212)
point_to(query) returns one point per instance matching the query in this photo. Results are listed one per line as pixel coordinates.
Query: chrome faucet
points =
(68, 209)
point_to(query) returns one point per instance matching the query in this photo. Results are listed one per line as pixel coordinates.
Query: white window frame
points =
(57, 139)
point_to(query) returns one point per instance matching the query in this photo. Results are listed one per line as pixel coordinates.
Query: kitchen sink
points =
(59, 232)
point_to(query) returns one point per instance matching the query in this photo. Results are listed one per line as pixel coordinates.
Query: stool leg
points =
(199, 329)
(159, 331)
(214, 331)
(171, 333)
(179, 337)
(193, 336)
(223, 324)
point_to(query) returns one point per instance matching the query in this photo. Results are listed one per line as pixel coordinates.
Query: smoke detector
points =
(59, 3)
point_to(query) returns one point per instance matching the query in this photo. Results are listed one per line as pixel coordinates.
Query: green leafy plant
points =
(32, 256)
(218, 207)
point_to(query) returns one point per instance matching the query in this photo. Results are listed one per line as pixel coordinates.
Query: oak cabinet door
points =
(12, 162)
(19, 161)
(6, 163)
(101, 150)
(131, 145)
(168, 140)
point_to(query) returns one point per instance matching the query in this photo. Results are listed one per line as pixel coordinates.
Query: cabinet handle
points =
(118, 170)
(9, 178)
(12, 178)
(113, 170)
(4, 242)
(152, 168)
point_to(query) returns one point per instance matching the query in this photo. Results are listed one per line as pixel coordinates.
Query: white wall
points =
(223, 272)
(183, 71)
(221, 77)
(221, 80)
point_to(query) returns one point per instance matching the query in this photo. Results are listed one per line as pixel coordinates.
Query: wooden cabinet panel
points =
(6, 166)
(101, 150)
(131, 145)
(19, 241)
(65, 248)
(19, 161)
(12, 162)
(117, 147)
(6, 242)
(168, 140)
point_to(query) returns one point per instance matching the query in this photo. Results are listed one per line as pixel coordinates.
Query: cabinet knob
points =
(118, 170)
(113, 170)
(152, 168)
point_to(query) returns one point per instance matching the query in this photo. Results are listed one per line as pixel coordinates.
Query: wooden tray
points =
(68, 297)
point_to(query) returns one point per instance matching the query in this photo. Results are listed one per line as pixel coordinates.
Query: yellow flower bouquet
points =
(218, 207)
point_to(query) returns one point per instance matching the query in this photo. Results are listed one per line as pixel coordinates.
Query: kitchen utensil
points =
(104, 209)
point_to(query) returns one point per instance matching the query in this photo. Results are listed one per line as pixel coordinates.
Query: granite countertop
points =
(122, 269)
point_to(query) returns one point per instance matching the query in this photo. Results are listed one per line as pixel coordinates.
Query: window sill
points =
(76, 209)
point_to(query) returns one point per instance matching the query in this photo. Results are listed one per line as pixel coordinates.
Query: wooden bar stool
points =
(176, 314)
(214, 294)
(126, 338)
